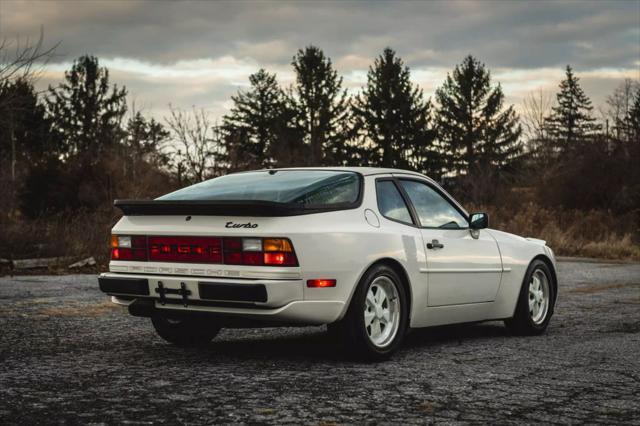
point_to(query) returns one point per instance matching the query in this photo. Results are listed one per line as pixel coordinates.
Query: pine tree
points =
(473, 126)
(25, 134)
(86, 111)
(392, 119)
(322, 107)
(571, 122)
(253, 127)
(632, 120)
(144, 143)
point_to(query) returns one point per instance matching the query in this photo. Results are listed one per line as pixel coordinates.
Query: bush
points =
(593, 233)
(597, 176)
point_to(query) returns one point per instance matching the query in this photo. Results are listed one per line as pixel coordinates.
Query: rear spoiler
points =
(217, 208)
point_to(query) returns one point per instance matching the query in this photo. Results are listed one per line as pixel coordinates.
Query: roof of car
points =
(366, 171)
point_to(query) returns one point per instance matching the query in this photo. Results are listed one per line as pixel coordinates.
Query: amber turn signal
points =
(276, 244)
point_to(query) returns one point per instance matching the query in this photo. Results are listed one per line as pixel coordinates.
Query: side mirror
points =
(479, 221)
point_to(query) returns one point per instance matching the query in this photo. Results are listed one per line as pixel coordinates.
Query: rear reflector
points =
(321, 283)
(185, 249)
(210, 250)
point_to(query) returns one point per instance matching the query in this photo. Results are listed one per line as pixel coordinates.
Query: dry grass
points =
(598, 234)
(78, 235)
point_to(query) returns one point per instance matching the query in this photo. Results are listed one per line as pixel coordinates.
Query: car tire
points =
(535, 302)
(377, 319)
(185, 332)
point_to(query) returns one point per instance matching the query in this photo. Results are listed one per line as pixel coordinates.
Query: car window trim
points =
(409, 207)
(440, 192)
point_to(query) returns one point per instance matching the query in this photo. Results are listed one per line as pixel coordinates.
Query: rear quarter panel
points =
(343, 245)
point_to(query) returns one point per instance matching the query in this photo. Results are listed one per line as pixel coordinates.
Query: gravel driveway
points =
(68, 356)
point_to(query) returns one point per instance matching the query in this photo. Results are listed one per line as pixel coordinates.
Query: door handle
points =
(434, 244)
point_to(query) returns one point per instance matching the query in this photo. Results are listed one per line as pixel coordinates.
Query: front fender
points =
(517, 254)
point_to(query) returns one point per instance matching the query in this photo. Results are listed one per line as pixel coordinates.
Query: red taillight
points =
(128, 248)
(228, 251)
(257, 252)
(321, 283)
(252, 258)
(280, 259)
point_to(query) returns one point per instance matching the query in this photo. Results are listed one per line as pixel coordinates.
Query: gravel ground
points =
(68, 356)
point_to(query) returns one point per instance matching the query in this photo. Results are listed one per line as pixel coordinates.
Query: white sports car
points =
(370, 252)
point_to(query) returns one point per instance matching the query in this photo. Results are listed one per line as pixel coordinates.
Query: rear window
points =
(299, 187)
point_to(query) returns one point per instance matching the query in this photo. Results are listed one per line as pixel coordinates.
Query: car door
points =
(462, 267)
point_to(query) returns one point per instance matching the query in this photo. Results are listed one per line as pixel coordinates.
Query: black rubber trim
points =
(142, 308)
(403, 195)
(216, 304)
(137, 286)
(232, 292)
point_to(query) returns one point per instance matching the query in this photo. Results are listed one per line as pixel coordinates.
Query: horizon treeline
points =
(76, 146)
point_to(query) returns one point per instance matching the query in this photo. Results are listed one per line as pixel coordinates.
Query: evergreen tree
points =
(144, 143)
(571, 122)
(25, 134)
(632, 120)
(472, 124)
(322, 107)
(254, 126)
(26, 142)
(86, 111)
(392, 119)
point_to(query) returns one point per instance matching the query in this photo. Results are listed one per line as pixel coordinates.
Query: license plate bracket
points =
(182, 291)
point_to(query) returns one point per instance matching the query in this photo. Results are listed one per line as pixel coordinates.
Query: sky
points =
(198, 54)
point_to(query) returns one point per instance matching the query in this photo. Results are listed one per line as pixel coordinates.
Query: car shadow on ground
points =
(319, 345)
(458, 333)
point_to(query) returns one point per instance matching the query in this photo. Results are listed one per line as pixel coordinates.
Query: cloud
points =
(199, 53)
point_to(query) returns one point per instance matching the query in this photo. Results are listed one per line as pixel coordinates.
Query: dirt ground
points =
(68, 356)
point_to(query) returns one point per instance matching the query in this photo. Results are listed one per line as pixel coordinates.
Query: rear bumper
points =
(270, 300)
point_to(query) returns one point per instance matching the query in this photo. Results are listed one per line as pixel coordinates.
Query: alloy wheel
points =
(382, 311)
(538, 296)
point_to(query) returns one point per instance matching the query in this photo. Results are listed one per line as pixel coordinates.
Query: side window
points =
(390, 202)
(433, 210)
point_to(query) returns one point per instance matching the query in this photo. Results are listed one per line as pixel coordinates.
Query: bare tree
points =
(23, 59)
(537, 107)
(196, 144)
(618, 105)
(19, 60)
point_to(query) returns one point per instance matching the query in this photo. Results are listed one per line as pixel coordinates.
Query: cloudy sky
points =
(200, 53)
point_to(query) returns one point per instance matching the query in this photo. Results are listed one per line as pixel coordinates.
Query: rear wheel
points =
(535, 302)
(376, 321)
(185, 331)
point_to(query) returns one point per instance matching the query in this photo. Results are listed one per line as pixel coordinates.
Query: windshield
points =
(300, 187)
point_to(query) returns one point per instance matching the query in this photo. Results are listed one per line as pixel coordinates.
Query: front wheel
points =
(376, 321)
(185, 332)
(535, 302)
